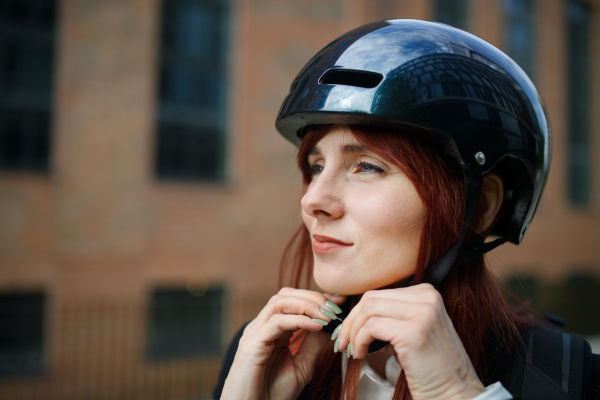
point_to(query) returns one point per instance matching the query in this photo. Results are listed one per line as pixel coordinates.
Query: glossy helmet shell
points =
(449, 87)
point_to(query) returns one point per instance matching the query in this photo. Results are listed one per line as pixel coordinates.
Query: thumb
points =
(306, 358)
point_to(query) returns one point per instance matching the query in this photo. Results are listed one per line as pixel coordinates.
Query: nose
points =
(323, 199)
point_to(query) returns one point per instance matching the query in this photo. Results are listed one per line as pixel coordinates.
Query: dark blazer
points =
(227, 361)
(512, 374)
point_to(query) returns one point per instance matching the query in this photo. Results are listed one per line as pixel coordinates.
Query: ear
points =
(492, 193)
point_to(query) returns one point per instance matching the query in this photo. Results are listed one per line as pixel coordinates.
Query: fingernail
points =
(320, 321)
(353, 354)
(338, 295)
(336, 346)
(336, 332)
(333, 307)
(328, 313)
(348, 351)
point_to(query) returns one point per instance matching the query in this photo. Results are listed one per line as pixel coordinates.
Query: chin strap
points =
(460, 254)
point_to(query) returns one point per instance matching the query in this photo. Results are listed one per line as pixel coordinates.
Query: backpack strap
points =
(550, 366)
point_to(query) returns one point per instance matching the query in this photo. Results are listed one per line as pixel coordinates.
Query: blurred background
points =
(146, 198)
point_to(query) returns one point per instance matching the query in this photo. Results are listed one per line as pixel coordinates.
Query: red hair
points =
(487, 326)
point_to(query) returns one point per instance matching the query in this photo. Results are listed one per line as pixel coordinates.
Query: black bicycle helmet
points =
(473, 102)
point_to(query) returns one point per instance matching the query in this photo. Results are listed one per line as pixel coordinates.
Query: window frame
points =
(37, 339)
(166, 335)
(579, 95)
(181, 127)
(26, 112)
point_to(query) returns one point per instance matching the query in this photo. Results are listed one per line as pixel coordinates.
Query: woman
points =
(416, 141)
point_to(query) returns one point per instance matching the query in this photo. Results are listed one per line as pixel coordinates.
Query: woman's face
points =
(364, 217)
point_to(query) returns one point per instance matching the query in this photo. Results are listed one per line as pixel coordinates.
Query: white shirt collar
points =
(371, 382)
(372, 386)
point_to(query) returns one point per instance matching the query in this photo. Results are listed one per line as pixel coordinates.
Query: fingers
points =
(391, 308)
(278, 325)
(415, 322)
(336, 298)
(421, 304)
(299, 302)
(380, 328)
(257, 350)
(288, 311)
(423, 293)
(279, 348)
(415, 336)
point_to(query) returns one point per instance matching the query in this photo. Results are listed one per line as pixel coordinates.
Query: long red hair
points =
(486, 324)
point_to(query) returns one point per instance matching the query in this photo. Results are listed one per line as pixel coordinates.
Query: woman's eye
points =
(315, 169)
(368, 168)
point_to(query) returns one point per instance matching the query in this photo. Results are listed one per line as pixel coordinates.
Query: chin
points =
(344, 285)
(347, 286)
(335, 282)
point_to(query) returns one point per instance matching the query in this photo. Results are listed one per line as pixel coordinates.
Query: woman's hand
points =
(425, 343)
(264, 367)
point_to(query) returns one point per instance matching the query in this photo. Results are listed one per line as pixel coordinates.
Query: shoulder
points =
(227, 361)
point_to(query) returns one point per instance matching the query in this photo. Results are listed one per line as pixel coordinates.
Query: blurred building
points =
(146, 198)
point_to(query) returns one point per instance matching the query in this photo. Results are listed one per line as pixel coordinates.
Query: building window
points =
(519, 33)
(26, 64)
(580, 289)
(451, 12)
(579, 78)
(21, 333)
(183, 325)
(191, 108)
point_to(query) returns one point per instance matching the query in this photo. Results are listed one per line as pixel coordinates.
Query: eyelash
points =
(355, 164)
(363, 164)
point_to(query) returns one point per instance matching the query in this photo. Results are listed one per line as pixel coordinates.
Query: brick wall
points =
(101, 228)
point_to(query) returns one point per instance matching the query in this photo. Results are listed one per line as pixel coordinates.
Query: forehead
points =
(338, 140)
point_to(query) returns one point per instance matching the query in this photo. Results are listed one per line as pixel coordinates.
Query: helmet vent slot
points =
(351, 77)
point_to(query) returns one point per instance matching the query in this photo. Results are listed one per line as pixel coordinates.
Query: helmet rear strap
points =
(460, 253)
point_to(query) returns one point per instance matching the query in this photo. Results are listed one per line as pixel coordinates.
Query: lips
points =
(325, 244)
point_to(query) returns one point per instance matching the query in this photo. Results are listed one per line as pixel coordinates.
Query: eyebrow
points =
(349, 148)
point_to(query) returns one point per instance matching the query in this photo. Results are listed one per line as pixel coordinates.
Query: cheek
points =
(392, 216)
